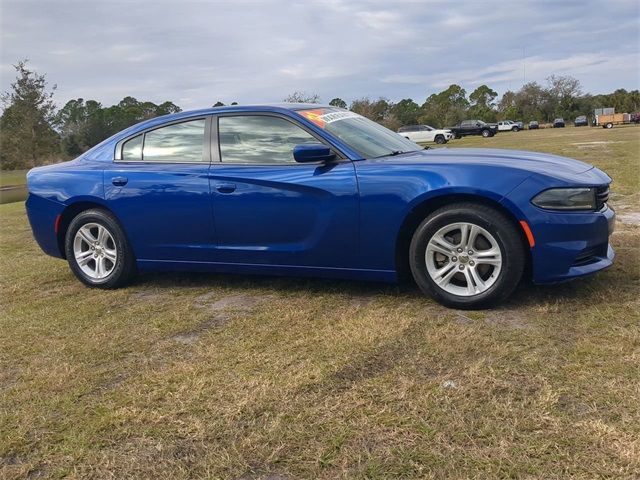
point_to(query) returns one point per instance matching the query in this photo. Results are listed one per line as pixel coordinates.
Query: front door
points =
(270, 210)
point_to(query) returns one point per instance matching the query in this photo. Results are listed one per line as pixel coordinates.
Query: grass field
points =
(13, 177)
(13, 186)
(192, 376)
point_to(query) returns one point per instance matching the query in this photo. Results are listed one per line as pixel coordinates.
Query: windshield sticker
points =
(335, 116)
(314, 116)
(321, 119)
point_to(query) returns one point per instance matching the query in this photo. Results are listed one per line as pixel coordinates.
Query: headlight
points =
(566, 199)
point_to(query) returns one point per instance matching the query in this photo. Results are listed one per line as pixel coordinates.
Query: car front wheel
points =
(486, 133)
(440, 140)
(97, 250)
(467, 256)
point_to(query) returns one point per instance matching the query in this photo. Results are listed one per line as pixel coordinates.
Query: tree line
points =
(33, 132)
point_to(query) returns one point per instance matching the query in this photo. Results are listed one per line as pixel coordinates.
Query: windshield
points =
(366, 137)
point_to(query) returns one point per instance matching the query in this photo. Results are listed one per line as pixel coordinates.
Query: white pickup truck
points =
(425, 133)
(508, 126)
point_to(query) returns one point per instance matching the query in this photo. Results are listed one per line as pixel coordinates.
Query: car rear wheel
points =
(97, 250)
(467, 256)
(609, 125)
(440, 139)
(486, 133)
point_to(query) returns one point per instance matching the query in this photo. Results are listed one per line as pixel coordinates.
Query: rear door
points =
(271, 210)
(158, 187)
(426, 134)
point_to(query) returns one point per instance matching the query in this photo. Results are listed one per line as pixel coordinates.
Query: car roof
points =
(266, 107)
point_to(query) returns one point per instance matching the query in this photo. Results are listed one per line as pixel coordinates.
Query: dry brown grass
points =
(212, 376)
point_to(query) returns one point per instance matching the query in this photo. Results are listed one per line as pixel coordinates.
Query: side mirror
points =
(312, 152)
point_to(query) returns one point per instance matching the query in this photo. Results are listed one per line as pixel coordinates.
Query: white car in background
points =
(508, 126)
(425, 133)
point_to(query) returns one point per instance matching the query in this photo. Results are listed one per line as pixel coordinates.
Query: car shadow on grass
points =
(527, 295)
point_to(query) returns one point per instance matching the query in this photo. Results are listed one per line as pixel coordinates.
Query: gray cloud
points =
(195, 53)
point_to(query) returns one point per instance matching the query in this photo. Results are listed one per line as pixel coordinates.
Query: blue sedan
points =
(313, 190)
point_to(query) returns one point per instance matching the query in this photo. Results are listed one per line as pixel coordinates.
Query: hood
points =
(553, 166)
(533, 161)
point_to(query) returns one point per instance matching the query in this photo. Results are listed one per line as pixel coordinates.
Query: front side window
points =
(259, 139)
(180, 142)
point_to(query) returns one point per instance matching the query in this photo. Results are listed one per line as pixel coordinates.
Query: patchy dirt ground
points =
(220, 376)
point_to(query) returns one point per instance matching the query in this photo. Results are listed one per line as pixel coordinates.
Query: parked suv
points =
(534, 125)
(581, 121)
(508, 126)
(425, 133)
(558, 123)
(474, 127)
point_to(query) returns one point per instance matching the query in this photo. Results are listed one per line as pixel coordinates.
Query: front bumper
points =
(571, 245)
(567, 244)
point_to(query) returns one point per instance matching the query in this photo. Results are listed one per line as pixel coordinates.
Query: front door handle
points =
(226, 187)
(119, 181)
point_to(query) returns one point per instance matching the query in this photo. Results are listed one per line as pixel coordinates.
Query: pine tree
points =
(27, 135)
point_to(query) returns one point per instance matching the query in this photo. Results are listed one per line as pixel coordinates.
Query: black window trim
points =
(217, 154)
(206, 143)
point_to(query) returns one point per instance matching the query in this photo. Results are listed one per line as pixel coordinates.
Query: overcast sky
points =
(195, 53)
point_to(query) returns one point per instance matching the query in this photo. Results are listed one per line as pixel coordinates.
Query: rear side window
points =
(132, 149)
(180, 142)
(260, 139)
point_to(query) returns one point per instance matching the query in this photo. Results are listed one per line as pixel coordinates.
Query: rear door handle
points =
(119, 181)
(226, 187)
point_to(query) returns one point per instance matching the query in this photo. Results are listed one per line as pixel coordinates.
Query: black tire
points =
(440, 139)
(486, 133)
(609, 125)
(123, 269)
(457, 136)
(515, 129)
(498, 225)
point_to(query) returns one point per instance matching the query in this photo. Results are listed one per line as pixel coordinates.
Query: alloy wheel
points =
(463, 259)
(95, 251)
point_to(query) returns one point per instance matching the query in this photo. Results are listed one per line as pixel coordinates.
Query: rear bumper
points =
(42, 214)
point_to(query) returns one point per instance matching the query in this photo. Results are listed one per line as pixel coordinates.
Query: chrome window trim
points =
(206, 150)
